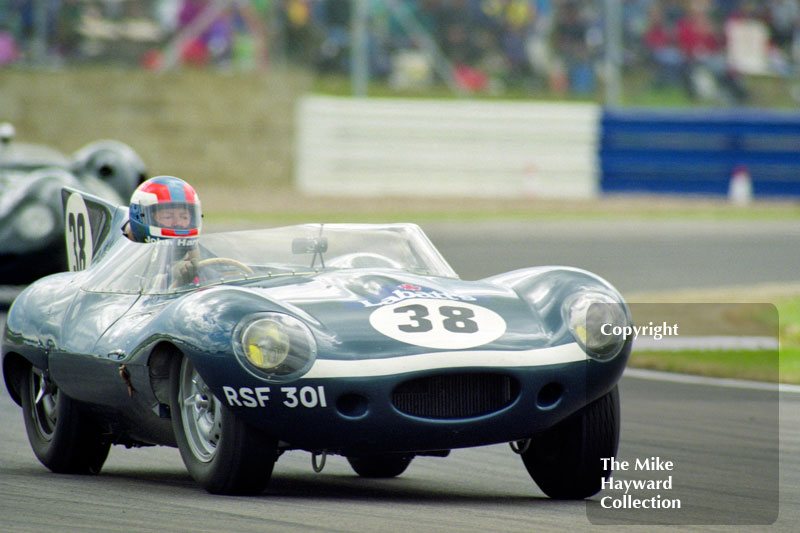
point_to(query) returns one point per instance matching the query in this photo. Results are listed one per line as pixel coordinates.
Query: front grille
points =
(455, 395)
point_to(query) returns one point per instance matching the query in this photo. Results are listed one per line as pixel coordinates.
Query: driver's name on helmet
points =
(164, 207)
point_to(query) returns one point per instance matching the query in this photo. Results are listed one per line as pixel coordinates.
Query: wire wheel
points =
(201, 413)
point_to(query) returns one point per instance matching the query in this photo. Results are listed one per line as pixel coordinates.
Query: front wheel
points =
(380, 466)
(565, 461)
(222, 453)
(62, 437)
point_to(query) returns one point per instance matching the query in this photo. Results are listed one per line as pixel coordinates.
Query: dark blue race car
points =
(348, 339)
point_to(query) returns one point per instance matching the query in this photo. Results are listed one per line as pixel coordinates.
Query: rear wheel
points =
(222, 453)
(62, 437)
(565, 461)
(377, 466)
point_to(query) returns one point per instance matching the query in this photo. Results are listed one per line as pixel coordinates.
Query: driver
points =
(167, 208)
(164, 207)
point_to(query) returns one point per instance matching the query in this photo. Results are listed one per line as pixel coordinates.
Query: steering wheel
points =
(212, 261)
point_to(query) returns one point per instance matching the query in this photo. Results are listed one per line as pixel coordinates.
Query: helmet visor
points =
(181, 216)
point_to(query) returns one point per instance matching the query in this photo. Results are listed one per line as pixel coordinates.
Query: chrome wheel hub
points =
(201, 413)
(44, 404)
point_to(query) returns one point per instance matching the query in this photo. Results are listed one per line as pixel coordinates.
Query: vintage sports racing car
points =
(351, 339)
(31, 178)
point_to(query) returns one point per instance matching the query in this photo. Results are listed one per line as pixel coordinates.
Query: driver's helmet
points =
(165, 207)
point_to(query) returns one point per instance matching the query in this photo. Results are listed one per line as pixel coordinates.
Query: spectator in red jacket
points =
(701, 42)
(661, 45)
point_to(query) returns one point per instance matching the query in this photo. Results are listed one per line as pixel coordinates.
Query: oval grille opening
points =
(455, 395)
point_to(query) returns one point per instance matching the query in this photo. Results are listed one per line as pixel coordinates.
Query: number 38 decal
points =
(78, 233)
(442, 324)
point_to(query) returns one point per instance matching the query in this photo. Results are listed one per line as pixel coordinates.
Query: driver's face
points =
(173, 217)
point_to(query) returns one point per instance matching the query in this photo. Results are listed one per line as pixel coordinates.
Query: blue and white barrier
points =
(408, 147)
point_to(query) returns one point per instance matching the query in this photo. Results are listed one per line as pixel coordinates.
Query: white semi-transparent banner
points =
(408, 147)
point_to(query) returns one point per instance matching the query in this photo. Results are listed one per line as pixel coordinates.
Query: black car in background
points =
(31, 178)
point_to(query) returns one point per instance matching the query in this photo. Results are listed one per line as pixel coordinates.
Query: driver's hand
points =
(183, 272)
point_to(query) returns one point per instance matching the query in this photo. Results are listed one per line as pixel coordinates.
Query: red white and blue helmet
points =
(158, 194)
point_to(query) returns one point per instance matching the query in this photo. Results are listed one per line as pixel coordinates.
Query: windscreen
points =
(170, 266)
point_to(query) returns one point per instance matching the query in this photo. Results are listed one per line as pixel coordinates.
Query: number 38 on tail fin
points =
(88, 221)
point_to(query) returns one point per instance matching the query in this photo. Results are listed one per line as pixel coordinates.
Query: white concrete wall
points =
(374, 147)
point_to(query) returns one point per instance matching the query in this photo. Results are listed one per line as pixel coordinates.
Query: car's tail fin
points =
(88, 223)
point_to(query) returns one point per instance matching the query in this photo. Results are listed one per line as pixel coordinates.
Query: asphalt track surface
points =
(735, 450)
(640, 255)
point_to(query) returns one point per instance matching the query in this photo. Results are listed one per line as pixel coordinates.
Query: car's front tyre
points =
(222, 453)
(62, 437)
(565, 460)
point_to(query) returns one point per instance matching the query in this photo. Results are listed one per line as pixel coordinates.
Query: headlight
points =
(274, 345)
(34, 221)
(596, 320)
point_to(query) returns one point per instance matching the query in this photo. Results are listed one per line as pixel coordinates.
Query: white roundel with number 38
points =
(78, 233)
(443, 324)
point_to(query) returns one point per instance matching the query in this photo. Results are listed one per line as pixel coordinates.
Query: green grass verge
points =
(739, 364)
(783, 366)
(790, 365)
(789, 319)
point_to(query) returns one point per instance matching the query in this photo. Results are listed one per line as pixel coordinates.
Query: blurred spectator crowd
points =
(701, 46)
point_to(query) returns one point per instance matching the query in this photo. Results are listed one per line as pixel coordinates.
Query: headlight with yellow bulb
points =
(592, 317)
(274, 346)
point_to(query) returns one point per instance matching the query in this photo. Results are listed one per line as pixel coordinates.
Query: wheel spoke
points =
(196, 401)
(39, 396)
(38, 385)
